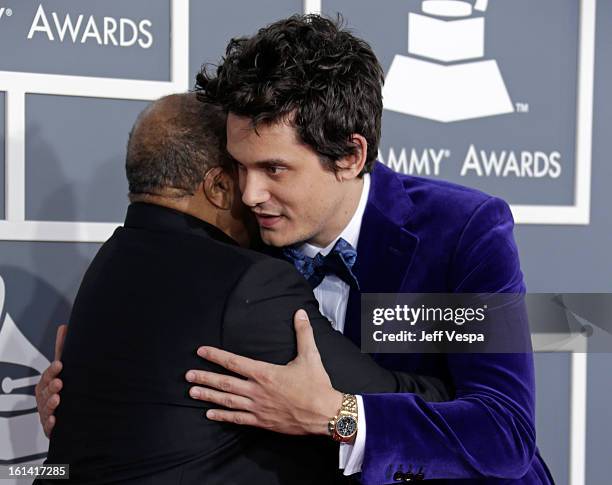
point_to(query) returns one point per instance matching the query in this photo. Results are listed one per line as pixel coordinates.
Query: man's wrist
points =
(330, 404)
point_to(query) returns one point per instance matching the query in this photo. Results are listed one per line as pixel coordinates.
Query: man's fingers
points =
(48, 376)
(52, 403)
(236, 363)
(50, 373)
(60, 337)
(306, 345)
(221, 382)
(236, 417)
(51, 389)
(47, 397)
(55, 386)
(230, 401)
(48, 426)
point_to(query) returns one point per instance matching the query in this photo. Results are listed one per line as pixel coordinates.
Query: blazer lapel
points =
(385, 249)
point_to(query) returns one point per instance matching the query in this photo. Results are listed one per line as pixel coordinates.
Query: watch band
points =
(349, 404)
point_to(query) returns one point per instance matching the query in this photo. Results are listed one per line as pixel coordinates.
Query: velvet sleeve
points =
(488, 429)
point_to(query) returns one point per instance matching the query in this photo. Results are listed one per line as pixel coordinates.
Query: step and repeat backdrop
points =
(510, 97)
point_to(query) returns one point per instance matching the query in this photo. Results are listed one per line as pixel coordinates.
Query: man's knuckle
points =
(263, 376)
(228, 402)
(265, 423)
(225, 384)
(231, 363)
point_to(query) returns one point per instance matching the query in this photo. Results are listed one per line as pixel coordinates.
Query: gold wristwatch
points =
(343, 426)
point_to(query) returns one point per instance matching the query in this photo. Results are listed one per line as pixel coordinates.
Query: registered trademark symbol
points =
(8, 12)
(447, 153)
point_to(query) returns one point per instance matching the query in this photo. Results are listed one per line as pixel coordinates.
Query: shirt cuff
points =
(351, 455)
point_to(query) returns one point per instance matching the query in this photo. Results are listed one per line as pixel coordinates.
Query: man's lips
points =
(267, 220)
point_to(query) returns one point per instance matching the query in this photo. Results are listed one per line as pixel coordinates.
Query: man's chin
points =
(278, 239)
(269, 238)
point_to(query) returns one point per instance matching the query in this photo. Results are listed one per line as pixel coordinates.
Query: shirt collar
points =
(350, 233)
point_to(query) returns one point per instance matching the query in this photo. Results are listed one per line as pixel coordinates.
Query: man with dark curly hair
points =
(304, 105)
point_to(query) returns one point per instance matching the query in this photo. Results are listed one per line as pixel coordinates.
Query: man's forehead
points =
(243, 126)
(265, 137)
(238, 123)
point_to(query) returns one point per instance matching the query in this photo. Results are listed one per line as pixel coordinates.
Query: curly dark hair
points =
(307, 69)
(174, 141)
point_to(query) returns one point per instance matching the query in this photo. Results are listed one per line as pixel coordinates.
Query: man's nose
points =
(254, 190)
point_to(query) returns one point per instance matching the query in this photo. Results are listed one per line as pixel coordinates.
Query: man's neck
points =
(179, 204)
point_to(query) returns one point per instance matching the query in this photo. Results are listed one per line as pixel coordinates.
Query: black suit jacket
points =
(161, 286)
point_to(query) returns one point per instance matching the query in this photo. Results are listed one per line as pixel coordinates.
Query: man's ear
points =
(350, 167)
(218, 186)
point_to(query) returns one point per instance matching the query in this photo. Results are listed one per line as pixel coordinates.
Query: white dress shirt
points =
(332, 295)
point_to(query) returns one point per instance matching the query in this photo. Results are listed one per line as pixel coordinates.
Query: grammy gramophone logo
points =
(21, 435)
(445, 76)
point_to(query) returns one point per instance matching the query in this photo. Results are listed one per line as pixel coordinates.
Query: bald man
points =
(176, 276)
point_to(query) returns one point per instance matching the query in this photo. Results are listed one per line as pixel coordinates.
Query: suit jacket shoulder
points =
(258, 323)
(441, 230)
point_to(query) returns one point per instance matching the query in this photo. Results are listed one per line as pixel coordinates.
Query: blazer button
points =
(398, 476)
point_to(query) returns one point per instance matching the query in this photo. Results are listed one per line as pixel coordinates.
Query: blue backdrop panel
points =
(113, 38)
(213, 24)
(75, 156)
(534, 45)
(2, 148)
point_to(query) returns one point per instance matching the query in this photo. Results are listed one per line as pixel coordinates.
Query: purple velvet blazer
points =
(420, 235)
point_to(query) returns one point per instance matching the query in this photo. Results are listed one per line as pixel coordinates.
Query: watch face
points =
(346, 426)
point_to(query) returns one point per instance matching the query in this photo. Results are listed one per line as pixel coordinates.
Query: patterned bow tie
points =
(338, 262)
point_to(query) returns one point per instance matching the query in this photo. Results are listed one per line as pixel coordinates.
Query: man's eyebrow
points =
(270, 161)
